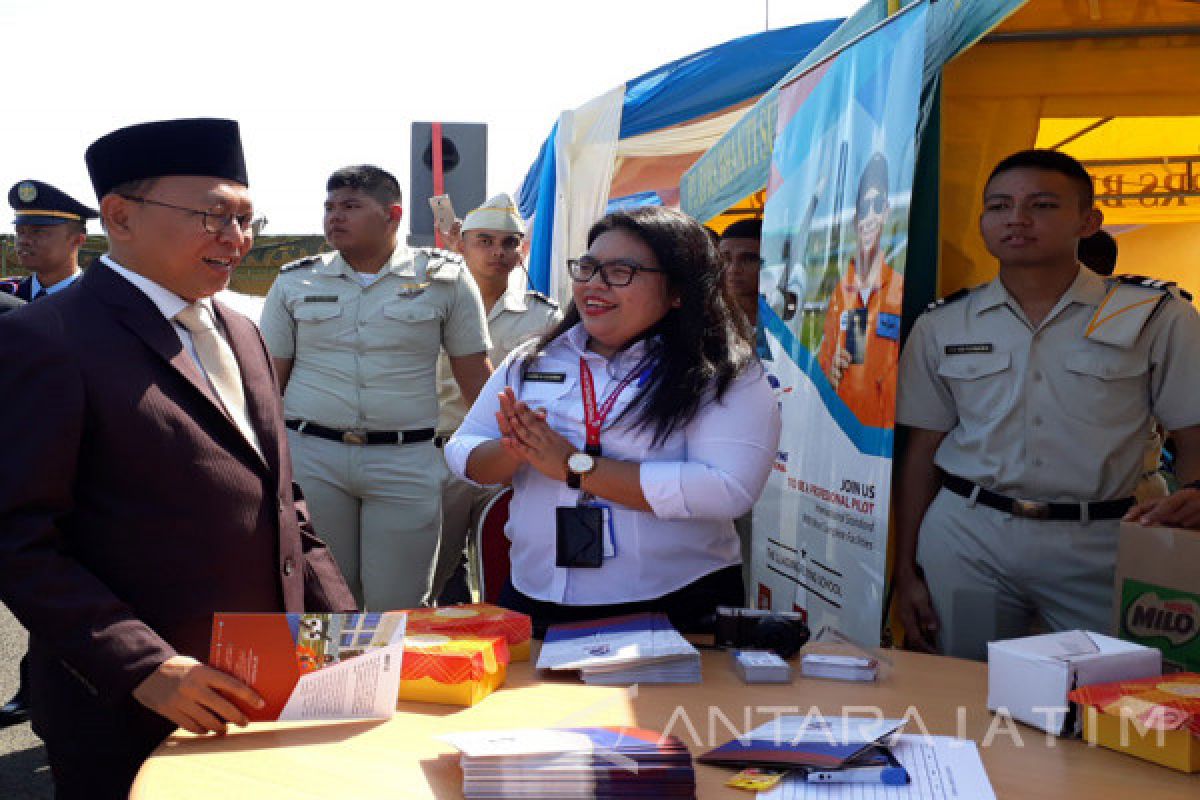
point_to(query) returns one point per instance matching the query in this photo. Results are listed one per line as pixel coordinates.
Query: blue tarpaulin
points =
(709, 81)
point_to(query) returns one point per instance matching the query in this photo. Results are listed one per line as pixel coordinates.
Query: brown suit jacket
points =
(131, 508)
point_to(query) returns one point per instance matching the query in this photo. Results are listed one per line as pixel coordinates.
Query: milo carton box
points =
(1157, 593)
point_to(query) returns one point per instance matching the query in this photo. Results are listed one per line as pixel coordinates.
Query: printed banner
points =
(834, 244)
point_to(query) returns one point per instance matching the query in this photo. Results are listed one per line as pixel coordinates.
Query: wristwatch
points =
(578, 465)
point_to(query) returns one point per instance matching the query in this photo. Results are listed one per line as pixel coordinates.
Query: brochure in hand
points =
(313, 666)
(615, 762)
(809, 741)
(637, 648)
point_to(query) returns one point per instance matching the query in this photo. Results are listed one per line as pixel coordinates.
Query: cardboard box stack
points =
(458, 655)
(477, 619)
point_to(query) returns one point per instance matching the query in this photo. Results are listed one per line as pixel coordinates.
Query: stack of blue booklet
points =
(809, 741)
(617, 763)
(619, 651)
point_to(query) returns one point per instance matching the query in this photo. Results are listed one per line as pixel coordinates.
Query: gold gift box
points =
(457, 671)
(476, 619)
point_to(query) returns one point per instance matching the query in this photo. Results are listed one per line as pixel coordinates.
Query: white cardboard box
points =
(1031, 676)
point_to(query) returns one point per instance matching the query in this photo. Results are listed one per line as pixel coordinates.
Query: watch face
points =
(581, 463)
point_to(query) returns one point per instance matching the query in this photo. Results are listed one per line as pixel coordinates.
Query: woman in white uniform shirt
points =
(685, 447)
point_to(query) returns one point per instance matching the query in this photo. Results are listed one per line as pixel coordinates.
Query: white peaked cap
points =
(498, 214)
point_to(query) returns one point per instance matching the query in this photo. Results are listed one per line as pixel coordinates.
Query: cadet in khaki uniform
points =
(355, 335)
(1032, 395)
(490, 240)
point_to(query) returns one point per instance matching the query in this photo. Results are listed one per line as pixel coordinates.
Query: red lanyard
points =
(593, 417)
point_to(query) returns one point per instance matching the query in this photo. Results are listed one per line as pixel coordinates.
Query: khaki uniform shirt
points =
(365, 358)
(1047, 413)
(518, 316)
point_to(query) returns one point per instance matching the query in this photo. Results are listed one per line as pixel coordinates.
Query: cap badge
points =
(27, 192)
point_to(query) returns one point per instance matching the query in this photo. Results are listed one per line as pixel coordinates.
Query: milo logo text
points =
(1176, 619)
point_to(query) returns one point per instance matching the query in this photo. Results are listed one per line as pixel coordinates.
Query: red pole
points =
(439, 179)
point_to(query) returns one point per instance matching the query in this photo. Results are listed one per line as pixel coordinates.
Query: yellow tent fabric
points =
(1107, 82)
(749, 207)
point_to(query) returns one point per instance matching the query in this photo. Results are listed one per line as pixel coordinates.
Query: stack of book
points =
(625, 763)
(618, 651)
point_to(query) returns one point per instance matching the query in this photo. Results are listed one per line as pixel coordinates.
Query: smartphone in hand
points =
(443, 212)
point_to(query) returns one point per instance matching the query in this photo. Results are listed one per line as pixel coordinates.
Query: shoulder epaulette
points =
(437, 254)
(536, 295)
(437, 258)
(948, 299)
(307, 261)
(1166, 287)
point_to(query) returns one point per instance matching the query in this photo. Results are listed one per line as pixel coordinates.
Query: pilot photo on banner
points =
(834, 246)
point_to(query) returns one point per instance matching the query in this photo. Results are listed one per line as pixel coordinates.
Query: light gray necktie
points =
(216, 357)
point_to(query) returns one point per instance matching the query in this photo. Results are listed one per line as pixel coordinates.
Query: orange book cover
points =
(313, 666)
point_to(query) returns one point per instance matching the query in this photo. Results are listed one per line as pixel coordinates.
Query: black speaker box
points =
(464, 165)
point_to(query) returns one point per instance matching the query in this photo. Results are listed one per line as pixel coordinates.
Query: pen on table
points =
(887, 776)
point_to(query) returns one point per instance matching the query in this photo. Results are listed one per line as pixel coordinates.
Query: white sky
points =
(318, 85)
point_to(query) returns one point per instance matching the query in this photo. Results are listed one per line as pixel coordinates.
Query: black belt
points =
(1036, 509)
(360, 437)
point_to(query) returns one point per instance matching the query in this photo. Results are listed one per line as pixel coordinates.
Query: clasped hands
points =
(529, 439)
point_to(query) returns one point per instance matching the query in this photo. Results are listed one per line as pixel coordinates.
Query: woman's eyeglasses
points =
(618, 272)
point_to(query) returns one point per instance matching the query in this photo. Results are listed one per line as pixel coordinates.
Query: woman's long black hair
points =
(700, 346)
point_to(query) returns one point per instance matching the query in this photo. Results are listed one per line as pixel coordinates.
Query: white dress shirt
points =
(698, 481)
(167, 302)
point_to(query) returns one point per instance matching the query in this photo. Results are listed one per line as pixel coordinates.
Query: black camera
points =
(782, 632)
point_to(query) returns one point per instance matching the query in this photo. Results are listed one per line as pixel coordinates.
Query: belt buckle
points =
(354, 437)
(1031, 509)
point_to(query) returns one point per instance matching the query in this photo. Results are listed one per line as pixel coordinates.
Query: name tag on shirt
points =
(321, 298)
(546, 377)
(966, 349)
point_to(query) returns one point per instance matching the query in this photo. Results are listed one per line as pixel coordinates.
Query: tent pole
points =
(1092, 33)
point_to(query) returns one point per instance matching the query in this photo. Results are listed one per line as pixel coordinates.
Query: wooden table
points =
(401, 758)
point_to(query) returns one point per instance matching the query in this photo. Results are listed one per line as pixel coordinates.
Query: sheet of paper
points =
(362, 687)
(941, 768)
(1064, 645)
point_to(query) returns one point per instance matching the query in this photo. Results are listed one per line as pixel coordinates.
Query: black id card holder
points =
(580, 536)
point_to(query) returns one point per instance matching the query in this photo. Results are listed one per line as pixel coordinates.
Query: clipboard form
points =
(939, 767)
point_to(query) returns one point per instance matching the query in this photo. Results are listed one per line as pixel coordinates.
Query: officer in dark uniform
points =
(51, 227)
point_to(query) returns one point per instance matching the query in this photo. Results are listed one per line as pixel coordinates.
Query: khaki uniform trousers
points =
(462, 508)
(379, 509)
(991, 574)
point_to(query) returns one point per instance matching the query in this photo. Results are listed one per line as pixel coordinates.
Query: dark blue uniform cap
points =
(38, 203)
(207, 147)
